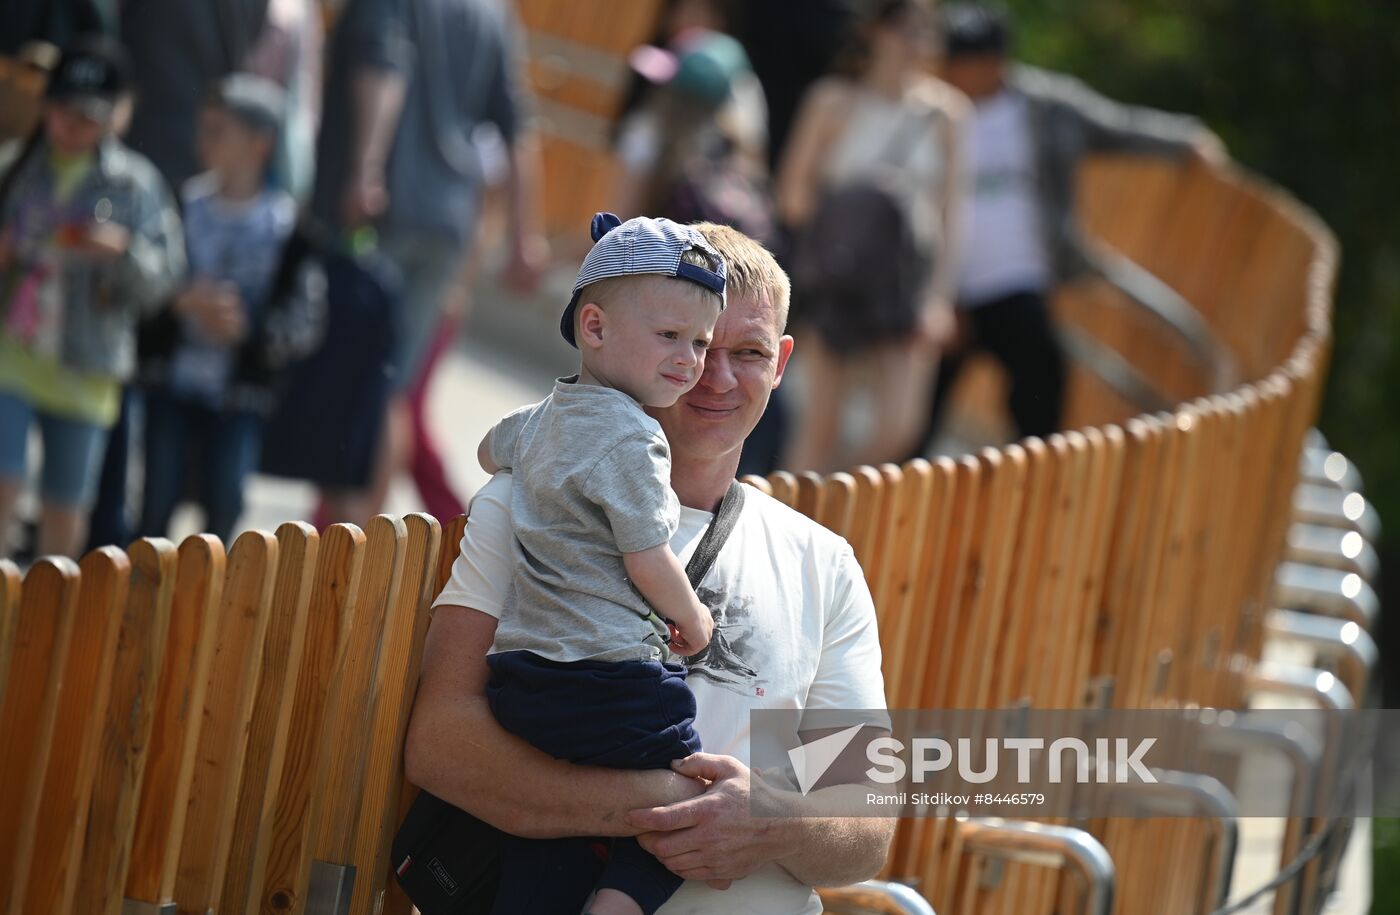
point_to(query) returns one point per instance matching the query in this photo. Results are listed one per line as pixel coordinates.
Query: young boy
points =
(210, 362)
(579, 665)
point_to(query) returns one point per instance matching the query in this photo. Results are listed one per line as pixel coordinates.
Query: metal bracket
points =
(1332, 548)
(1191, 794)
(1330, 592)
(330, 889)
(876, 897)
(1341, 642)
(137, 907)
(1054, 846)
(1314, 503)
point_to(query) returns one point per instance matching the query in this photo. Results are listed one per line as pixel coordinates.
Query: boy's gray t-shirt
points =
(593, 481)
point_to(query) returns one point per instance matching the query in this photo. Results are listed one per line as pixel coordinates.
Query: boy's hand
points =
(105, 241)
(692, 637)
(216, 308)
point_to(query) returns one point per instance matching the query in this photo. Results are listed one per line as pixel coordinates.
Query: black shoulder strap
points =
(715, 536)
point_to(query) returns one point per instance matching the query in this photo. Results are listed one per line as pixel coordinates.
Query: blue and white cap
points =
(640, 246)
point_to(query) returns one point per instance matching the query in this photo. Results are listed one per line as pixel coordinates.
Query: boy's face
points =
(650, 345)
(70, 131)
(229, 146)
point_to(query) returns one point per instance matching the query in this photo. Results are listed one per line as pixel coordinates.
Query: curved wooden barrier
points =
(211, 731)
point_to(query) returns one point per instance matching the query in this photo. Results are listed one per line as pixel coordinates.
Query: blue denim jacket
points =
(103, 300)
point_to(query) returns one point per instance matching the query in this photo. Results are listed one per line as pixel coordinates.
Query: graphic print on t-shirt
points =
(724, 661)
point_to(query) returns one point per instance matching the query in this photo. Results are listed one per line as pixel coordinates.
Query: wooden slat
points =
(333, 599)
(395, 685)
(783, 486)
(837, 503)
(347, 717)
(809, 494)
(10, 580)
(452, 533)
(297, 548)
(757, 482)
(47, 610)
(121, 766)
(240, 630)
(179, 706)
(46, 880)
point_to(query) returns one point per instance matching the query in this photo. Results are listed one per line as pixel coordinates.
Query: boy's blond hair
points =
(749, 268)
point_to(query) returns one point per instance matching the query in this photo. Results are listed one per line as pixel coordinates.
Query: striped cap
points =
(640, 246)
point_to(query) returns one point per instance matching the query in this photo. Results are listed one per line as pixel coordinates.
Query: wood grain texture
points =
(297, 547)
(333, 596)
(239, 632)
(395, 685)
(121, 764)
(47, 611)
(52, 869)
(341, 771)
(10, 584)
(179, 706)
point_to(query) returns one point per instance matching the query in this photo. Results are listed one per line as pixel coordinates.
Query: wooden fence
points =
(189, 729)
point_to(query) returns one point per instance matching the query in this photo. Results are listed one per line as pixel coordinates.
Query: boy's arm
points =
(658, 574)
(483, 454)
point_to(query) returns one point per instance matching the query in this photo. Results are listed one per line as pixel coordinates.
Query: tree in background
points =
(1307, 94)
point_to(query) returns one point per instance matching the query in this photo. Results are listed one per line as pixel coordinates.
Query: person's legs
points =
(1019, 332)
(429, 474)
(819, 421)
(231, 442)
(16, 416)
(900, 377)
(110, 521)
(72, 465)
(168, 436)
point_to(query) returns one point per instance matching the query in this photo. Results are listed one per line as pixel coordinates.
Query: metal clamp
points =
(1054, 846)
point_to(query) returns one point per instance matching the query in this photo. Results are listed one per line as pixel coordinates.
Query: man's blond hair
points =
(749, 268)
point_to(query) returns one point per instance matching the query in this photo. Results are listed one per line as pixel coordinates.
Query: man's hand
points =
(526, 264)
(711, 837)
(366, 196)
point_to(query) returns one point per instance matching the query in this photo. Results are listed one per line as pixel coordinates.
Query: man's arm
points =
(457, 750)
(1111, 126)
(714, 837)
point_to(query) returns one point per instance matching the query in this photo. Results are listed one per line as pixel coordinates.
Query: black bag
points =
(325, 428)
(448, 861)
(859, 267)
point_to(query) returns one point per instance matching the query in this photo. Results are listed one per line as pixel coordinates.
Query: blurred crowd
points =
(235, 235)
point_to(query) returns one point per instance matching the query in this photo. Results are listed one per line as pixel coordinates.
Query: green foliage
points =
(1307, 94)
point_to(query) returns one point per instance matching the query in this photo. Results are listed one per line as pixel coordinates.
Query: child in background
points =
(89, 240)
(210, 362)
(579, 665)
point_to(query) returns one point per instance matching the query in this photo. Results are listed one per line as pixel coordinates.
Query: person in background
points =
(407, 85)
(871, 183)
(89, 241)
(169, 77)
(288, 52)
(694, 149)
(209, 363)
(1030, 131)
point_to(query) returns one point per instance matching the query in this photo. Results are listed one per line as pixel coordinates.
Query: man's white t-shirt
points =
(1005, 251)
(794, 629)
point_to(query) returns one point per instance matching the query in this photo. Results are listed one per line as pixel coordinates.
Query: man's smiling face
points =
(744, 363)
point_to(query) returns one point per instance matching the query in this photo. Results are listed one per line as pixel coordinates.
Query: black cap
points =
(92, 73)
(973, 28)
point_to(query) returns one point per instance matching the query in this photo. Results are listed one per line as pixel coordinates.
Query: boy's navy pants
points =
(625, 715)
